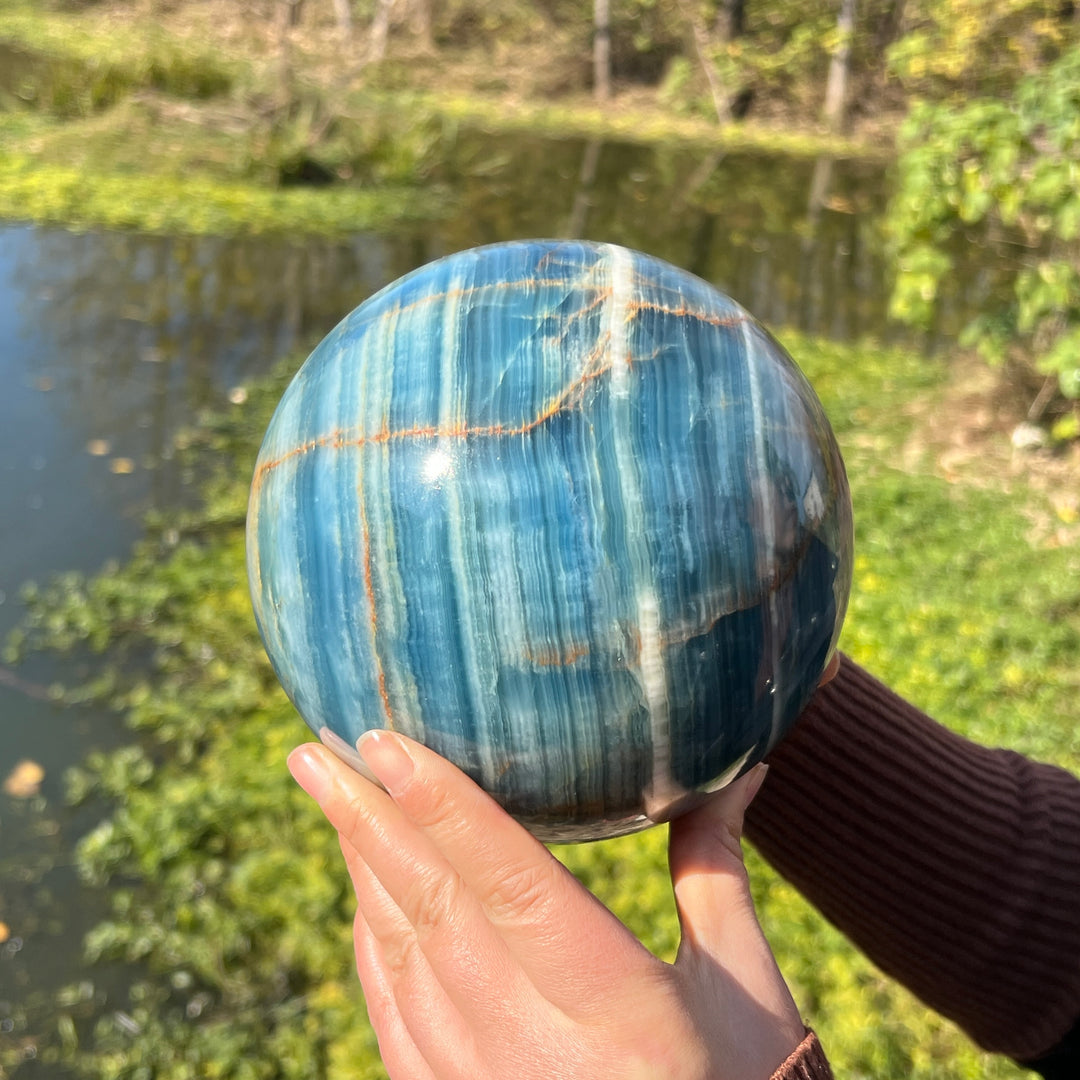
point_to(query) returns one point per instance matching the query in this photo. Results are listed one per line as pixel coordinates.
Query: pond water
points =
(110, 343)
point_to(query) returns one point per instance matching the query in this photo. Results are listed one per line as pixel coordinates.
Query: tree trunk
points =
(579, 212)
(422, 24)
(889, 26)
(730, 20)
(286, 15)
(720, 95)
(601, 50)
(380, 31)
(819, 192)
(343, 15)
(839, 69)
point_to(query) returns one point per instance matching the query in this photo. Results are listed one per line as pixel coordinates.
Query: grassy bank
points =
(234, 889)
(225, 885)
(39, 186)
(640, 122)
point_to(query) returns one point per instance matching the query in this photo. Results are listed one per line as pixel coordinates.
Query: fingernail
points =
(311, 772)
(387, 758)
(755, 778)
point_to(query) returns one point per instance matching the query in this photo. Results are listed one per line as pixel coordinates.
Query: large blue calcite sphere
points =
(564, 513)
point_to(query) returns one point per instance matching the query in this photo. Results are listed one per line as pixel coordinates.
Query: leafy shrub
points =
(1007, 170)
(226, 884)
(977, 47)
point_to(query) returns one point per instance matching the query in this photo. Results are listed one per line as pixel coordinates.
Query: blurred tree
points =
(379, 33)
(343, 15)
(421, 17)
(602, 50)
(840, 67)
(1008, 168)
(976, 46)
(729, 19)
(708, 51)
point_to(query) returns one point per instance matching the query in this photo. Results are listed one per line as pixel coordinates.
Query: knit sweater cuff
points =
(955, 867)
(806, 1062)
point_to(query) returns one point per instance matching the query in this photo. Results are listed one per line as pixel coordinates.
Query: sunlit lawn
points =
(966, 599)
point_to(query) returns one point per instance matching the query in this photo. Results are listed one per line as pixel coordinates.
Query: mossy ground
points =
(965, 600)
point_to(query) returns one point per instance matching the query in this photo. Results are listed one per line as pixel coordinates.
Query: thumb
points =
(721, 936)
(731, 979)
(712, 891)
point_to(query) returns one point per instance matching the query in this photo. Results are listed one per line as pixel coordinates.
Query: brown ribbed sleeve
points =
(807, 1062)
(956, 868)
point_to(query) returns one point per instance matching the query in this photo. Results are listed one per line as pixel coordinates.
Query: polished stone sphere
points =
(564, 513)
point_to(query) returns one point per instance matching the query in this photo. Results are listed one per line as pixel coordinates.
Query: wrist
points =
(806, 1062)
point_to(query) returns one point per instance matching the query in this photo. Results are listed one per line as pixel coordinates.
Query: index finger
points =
(546, 916)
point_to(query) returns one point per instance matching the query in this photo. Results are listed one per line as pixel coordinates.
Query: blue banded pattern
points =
(564, 513)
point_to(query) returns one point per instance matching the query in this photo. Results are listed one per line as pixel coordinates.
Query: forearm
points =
(954, 867)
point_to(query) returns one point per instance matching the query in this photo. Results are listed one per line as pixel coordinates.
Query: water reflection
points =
(181, 317)
(737, 220)
(139, 333)
(136, 334)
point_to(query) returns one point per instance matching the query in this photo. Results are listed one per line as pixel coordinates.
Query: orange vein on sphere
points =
(369, 589)
(555, 658)
(684, 312)
(338, 441)
(335, 439)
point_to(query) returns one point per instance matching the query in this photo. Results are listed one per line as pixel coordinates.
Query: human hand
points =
(482, 957)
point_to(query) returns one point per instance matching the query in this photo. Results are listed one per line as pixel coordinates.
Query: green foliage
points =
(781, 54)
(93, 152)
(157, 203)
(784, 55)
(234, 907)
(226, 884)
(166, 168)
(123, 121)
(1007, 169)
(562, 121)
(976, 46)
(71, 66)
(367, 147)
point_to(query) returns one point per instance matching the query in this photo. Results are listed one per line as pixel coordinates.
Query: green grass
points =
(128, 169)
(75, 64)
(87, 61)
(953, 605)
(159, 165)
(118, 123)
(644, 127)
(196, 205)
